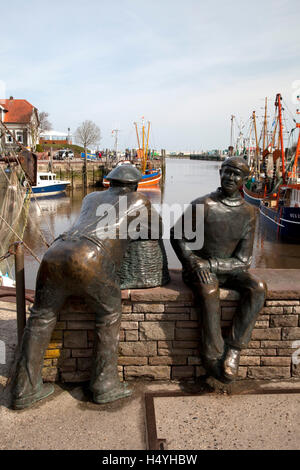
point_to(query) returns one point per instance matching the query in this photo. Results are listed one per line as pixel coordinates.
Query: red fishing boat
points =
(278, 198)
(151, 176)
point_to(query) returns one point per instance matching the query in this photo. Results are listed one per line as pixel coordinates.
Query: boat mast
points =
(143, 149)
(231, 131)
(278, 103)
(265, 125)
(250, 161)
(255, 131)
(143, 131)
(256, 144)
(137, 135)
(146, 156)
(298, 147)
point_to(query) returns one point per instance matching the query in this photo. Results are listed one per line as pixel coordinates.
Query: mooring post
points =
(20, 289)
(163, 164)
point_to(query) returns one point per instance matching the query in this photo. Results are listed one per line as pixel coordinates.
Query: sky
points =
(186, 66)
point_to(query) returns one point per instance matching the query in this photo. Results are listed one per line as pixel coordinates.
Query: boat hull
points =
(284, 222)
(251, 197)
(147, 180)
(49, 190)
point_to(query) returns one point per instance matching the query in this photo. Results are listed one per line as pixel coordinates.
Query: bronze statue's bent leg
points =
(208, 296)
(106, 303)
(253, 294)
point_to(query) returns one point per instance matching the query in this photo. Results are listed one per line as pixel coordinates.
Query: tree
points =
(87, 134)
(38, 124)
(45, 125)
(34, 129)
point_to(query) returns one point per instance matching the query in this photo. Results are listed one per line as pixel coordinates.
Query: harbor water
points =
(184, 181)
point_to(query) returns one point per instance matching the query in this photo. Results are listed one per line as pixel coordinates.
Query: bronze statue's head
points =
(234, 171)
(125, 176)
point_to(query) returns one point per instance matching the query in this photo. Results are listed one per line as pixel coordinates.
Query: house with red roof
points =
(22, 120)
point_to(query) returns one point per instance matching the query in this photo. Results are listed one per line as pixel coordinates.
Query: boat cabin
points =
(45, 178)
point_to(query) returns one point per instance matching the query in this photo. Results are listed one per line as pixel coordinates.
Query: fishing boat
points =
(150, 176)
(48, 185)
(279, 196)
(256, 187)
(282, 215)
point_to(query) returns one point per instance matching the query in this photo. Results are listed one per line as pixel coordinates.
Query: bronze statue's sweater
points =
(103, 208)
(229, 227)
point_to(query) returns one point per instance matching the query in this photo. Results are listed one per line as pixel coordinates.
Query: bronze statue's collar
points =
(231, 202)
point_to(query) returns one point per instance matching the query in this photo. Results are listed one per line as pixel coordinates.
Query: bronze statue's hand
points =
(205, 276)
(200, 265)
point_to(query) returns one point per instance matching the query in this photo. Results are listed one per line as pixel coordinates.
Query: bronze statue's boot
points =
(121, 390)
(212, 367)
(24, 402)
(231, 364)
(105, 382)
(27, 383)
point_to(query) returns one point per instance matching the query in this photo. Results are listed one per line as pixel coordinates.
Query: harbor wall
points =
(73, 170)
(160, 334)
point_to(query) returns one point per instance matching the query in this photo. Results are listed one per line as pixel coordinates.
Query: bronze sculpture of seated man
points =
(223, 260)
(85, 261)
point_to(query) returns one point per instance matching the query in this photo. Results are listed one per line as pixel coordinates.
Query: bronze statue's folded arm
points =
(240, 261)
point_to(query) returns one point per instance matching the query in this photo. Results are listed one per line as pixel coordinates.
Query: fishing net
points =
(14, 202)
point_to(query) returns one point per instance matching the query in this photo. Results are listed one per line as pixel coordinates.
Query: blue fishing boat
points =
(252, 197)
(277, 195)
(48, 185)
(282, 216)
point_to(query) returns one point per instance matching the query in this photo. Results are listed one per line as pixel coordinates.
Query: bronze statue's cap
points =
(127, 174)
(237, 162)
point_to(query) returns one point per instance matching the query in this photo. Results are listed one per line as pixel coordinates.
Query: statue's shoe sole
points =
(113, 395)
(226, 379)
(21, 403)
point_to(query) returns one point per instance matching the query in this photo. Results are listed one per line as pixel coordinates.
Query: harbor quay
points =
(73, 170)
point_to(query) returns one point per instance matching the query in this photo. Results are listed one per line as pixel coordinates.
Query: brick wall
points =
(159, 335)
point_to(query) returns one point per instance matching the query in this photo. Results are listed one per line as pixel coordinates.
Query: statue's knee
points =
(210, 290)
(257, 290)
(261, 289)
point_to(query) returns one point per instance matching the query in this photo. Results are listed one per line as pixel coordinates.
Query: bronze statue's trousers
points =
(102, 295)
(252, 292)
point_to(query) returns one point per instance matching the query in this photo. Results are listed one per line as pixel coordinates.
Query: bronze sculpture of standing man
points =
(223, 260)
(84, 261)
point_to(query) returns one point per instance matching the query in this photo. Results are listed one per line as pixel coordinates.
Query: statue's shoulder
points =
(250, 209)
(138, 198)
(91, 196)
(207, 199)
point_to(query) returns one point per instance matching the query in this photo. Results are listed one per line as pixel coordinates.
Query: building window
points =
(8, 139)
(19, 136)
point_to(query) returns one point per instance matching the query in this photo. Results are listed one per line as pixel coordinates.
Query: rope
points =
(7, 255)
(15, 233)
(25, 176)
(49, 227)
